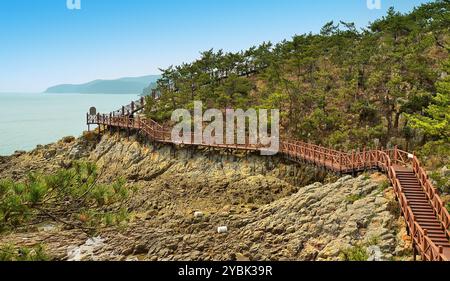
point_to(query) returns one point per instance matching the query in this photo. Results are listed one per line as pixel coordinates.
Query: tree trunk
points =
(396, 122)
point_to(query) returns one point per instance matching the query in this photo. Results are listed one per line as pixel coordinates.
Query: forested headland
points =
(384, 85)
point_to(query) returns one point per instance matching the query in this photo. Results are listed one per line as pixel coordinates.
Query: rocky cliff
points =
(265, 208)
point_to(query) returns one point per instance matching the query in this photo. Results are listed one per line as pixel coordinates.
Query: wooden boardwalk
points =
(427, 219)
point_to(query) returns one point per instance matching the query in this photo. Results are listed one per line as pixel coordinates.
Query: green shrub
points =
(90, 136)
(384, 185)
(11, 253)
(68, 139)
(353, 198)
(442, 182)
(72, 192)
(394, 208)
(355, 253)
(374, 240)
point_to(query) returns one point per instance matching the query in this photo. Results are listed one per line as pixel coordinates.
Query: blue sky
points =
(42, 43)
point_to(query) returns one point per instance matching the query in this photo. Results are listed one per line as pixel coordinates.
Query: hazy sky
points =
(42, 43)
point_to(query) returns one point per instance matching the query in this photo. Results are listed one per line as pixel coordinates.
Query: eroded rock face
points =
(272, 209)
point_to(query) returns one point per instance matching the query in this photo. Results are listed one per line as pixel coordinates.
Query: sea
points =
(27, 119)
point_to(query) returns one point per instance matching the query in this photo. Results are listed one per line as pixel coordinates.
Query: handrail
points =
(335, 160)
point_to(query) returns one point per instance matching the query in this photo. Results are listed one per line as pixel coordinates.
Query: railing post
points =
(123, 110)
(132, 106)
(377, 157)
(364, 158)
(87, 122)
(395, 154)
(353, 160)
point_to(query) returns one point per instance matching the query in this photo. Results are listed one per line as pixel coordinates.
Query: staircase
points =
(423, 210)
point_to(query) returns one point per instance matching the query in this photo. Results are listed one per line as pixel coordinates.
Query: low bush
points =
(384, 185)
(11, 253)
(355, 253)
(64, 196)
(68, 139)
(353, 198)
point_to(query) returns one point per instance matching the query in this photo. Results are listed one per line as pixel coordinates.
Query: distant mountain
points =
(127, 85)
(148, 90)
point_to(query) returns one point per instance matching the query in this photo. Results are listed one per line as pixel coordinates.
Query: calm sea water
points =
(27, 120)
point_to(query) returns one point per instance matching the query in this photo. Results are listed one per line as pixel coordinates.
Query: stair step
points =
(438, 237)
(443, 241)
(427, 225)
(425, 217)
(416, 196)
(437, 234)
(432, 228)
(413, 190)
(422, 214)
(422, 221)
(421, 208)
(418, 200)
(415, 203)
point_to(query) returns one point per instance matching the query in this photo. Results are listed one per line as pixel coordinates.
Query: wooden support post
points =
(395, 154)
(364, 158)
(353, 162)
